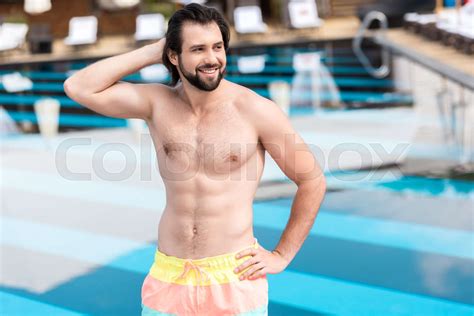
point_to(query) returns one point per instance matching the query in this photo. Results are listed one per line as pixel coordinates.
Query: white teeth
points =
(209, 71)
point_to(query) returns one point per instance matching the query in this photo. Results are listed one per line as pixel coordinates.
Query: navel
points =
(166, 149)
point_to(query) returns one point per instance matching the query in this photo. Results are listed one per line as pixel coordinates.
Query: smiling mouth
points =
(209, 71)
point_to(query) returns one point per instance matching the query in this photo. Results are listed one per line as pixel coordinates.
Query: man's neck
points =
(200, 101)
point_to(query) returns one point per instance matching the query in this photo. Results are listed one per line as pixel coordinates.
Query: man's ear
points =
(173, 57)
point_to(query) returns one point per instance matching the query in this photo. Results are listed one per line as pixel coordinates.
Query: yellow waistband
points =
(204, 271)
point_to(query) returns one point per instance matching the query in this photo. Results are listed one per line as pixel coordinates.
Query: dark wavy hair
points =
(194, 13)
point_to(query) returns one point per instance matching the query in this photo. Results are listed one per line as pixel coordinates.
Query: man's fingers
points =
(252, 270)
(258, 274)
(244, 265)
(246, 252)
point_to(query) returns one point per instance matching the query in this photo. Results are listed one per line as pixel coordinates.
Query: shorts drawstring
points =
(201, 274)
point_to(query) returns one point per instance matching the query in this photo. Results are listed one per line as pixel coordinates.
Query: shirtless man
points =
(210, 137)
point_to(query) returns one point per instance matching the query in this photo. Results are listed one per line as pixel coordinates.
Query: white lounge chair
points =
(82, 31)
(446, 20)
(303, 14)
(410, 17)
(16, 82)
(37, 6)
(12, 35)
(466, 20)
(251, 64)
(154, 73)
(424, 19)
(117, 5)
(248, 19)
(150, 27)
(186, 2)
(306, 62)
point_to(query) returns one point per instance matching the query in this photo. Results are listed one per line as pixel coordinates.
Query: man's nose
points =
(211, 58)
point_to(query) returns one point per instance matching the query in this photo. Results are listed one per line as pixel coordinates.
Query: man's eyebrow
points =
(202, 45)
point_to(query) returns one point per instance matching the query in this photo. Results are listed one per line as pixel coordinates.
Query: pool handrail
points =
(384, 69)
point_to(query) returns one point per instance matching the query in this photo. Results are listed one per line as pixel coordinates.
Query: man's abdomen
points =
(204, 232)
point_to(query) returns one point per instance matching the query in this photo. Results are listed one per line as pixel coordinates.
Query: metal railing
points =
(384, 69)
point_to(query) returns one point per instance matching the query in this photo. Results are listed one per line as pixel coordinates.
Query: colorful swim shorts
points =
(206, 287)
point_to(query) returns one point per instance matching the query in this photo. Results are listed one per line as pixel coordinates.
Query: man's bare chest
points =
(218, 143)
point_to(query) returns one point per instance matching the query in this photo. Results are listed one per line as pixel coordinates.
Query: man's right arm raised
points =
(98, 88)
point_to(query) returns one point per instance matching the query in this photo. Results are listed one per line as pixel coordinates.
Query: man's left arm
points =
(298, 163)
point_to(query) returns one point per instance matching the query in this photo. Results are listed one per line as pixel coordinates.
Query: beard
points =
(205, 84)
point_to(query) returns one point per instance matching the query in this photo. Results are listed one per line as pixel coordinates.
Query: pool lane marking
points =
(328, 295)
(12, 304)
(410, 236)
(312, 292)
(387, 233)
(74, 244)
(95, 191)
(342, 179)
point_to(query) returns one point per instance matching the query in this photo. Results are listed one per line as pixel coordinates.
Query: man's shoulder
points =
(246, 99)
(156, 88)
(158, 94)
(262, 112)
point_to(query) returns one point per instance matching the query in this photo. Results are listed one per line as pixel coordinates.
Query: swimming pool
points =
(339, 82)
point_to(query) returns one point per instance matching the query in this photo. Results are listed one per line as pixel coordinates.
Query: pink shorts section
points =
(234, 298)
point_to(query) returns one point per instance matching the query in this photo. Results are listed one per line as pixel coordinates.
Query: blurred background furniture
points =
(395, 10)
(40, 39)
(12, 35)
(82, 31)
